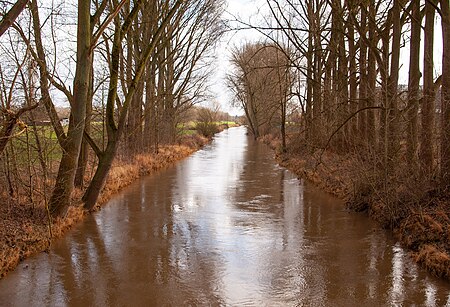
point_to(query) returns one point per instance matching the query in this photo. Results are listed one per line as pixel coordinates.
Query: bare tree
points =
(428, 101)
(114, 129)
(445, 95)
(261, 83)
(413, 84)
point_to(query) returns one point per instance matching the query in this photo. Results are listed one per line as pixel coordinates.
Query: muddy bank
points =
(24, 227)
(420, 223)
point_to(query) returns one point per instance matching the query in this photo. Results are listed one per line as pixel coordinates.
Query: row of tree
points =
(143, 63)
(345, 57)
(261, 82)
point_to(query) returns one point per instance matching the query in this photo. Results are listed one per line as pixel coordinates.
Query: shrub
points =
(207, 129)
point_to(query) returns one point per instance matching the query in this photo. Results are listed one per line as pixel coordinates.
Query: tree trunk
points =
(317, 79)
(428, 104)
(328, 97)
(309, 76)
(9, 18)
(384, 69)
(101, 174)
(84, 150)
(114, 132)
(445, 96)
(353, 82)
(148, 137)
(363, 77)
(393, 142)
(371, 81)
(150, 104)
(60, 198)
(7, 129)
(413, 85)
(43, 78)
(342, 79)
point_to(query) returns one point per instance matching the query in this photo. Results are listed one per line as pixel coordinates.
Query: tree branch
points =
(10, 17)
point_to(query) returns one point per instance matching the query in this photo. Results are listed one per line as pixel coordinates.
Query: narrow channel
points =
(225, 227)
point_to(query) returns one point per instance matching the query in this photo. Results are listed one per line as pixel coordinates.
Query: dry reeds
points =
(434, 260)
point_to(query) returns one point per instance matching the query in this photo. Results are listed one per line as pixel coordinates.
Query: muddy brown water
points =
(225, 227)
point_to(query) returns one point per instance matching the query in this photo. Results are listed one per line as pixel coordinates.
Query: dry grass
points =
(434, 260)
(325, 172)
(269, 139)
(24, 227)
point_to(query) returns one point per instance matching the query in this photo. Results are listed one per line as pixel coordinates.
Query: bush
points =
(207, 129)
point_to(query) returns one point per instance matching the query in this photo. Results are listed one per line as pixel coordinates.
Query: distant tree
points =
(261, 84)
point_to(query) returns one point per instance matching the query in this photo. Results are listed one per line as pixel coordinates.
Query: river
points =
(225, 227)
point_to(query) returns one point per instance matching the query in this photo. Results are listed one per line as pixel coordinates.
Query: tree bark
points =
(60, 198)
(13, 13)
(413, 85)
(371, 80)
(8, 125)
(309, 75)
(353, 83)
(428, 104)
(393, 142)
(445, 96)
(342, 78)
(84, 150)
(43, 77)
(363, 77)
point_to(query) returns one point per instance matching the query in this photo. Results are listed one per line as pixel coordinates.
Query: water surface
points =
(225, 227)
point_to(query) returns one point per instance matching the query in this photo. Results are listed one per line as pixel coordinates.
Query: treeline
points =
(261, 82)
(343, 60)
(138, 65)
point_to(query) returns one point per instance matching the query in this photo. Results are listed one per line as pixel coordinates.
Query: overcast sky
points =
(245, 10)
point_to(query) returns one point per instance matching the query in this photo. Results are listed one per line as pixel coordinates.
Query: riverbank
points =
(419, 217)
(24, 228)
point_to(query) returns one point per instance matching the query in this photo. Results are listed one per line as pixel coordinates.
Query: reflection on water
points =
(226, 226)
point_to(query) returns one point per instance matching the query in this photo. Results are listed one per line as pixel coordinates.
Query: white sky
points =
(245, 10)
